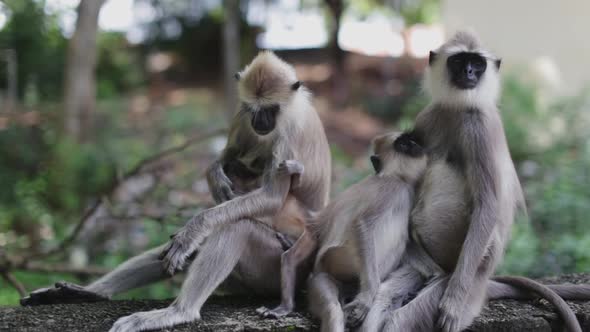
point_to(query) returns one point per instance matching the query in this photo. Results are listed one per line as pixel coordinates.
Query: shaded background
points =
(110, 111)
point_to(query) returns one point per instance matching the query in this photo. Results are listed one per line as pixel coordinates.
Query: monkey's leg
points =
(391, 295)
(217, 258)
(138, 271)
(290, 260)
(324, 302)
(420, 314)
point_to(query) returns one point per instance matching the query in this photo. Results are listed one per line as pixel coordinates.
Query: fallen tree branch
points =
(113, 187)
(61, 268)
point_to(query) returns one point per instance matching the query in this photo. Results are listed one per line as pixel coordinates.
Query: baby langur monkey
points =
(362, 235)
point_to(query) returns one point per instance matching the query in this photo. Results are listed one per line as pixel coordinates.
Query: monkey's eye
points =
(478, 63)
(237, 76)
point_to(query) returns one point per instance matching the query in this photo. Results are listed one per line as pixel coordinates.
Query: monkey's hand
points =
(291, 168)
(356, 311)
(451, 308)
(180, 248)
(220, 186)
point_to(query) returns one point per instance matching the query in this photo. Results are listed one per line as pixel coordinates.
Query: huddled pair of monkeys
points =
(410, 248)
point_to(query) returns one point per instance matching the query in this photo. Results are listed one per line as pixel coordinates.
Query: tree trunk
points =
(339, 78)
(231, 54)
(80, 84)
(12, 80)
(336, 8)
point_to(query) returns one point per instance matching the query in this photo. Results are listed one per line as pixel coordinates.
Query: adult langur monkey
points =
(365, 265)
(466, 202)
(276, 122)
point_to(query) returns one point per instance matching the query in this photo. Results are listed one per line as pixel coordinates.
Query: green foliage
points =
(520, 108)
(118, 67)
(39, 45)
(47, 181)
(420, 11)
(552, 142)
(519, 258)
(41, 50)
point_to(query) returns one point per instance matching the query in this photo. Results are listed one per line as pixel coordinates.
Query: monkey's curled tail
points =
(549, 294)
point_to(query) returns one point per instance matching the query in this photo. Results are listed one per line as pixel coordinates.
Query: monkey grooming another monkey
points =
(466, 201)
(276, 123)
(362, 234)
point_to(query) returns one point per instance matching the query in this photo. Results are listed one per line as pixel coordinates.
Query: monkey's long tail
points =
(548, 292)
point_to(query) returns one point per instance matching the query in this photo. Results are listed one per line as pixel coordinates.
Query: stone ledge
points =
(238, 314)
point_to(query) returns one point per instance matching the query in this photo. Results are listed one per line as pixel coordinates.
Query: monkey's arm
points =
(262, 202)
(482, 175)
(356, 311)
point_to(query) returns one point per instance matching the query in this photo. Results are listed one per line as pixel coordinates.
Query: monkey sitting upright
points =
(465, 203)
(276, 122)
(362, 234)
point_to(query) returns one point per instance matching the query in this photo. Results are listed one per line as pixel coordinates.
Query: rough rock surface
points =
(238, 314)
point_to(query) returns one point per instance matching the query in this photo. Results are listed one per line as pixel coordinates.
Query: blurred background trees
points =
(109, 113)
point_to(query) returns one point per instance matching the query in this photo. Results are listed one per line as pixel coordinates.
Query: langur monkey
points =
(362, 235)
(465, 204)
(276, 123)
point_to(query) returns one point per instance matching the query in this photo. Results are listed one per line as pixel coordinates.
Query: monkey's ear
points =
(376, 162)
(295, 85)
(432, 57)
(237, 76)
(498, 63)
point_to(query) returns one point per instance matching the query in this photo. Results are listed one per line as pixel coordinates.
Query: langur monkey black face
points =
(264, 92)
(465, 69)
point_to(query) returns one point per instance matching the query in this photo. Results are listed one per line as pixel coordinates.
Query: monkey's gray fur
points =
(276, 123)
(465, 207)
(362, 236)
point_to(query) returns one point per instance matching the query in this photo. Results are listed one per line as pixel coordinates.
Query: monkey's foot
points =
(355, 313)
(450, 313)
(63, 292)
(278, 312)
(153, 320)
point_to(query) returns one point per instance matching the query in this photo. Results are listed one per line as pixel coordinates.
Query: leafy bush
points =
(119, 65)
(551, 144)
(40, 48)
(48, 181)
